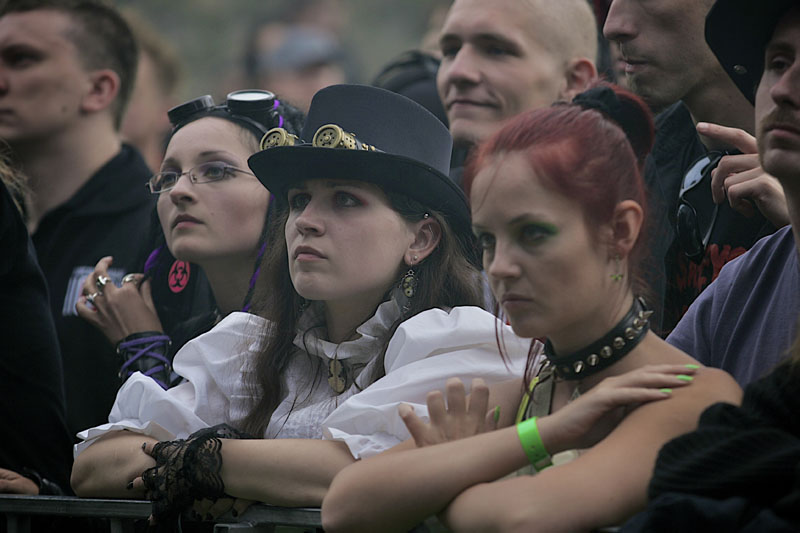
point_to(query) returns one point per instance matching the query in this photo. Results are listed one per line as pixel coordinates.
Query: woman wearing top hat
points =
(558, 206)
(369, 298)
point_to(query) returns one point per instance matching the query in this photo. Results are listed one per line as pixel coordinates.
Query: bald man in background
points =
(503, 57)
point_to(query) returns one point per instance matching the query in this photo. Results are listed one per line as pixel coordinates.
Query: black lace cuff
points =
(187, 470)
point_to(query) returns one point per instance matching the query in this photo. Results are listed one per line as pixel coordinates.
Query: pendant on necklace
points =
(336, 376)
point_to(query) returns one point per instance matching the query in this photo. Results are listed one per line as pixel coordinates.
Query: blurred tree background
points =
(210, 35)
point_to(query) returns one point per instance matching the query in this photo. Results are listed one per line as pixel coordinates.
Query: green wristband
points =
(532, 444)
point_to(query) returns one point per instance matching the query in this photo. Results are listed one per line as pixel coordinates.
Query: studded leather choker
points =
(606, 351)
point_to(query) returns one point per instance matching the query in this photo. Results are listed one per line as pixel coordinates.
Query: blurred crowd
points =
(538, 272)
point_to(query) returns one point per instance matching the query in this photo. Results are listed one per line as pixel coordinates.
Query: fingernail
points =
(692, 366)
(129, 486)
(684, 377)
(144, 445)
(496, 414)
(234, 513)
(702, 126)
(666, 391)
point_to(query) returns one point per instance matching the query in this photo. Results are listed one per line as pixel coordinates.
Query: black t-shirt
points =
(32, 414)
(109, 215)
(674, 279)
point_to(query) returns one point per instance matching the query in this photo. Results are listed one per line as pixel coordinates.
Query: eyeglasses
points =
(694, 226)
(203, 173)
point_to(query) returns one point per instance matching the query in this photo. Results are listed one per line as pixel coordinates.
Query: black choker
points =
(603, 353)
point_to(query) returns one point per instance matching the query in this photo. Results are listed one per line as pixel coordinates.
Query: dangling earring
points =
(409, 283)
(618, 275)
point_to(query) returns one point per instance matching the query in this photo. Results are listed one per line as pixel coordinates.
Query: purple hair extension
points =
(152, 258)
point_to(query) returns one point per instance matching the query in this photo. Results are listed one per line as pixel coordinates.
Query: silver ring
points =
(129, 278)
(90, 297)
(101, 283)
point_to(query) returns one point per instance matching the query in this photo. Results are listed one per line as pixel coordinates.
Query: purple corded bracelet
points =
(146, 352)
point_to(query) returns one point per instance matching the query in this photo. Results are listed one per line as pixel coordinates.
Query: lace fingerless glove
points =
(187, 470)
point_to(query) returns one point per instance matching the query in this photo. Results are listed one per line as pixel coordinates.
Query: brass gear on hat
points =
(278, 137)
(333, 136)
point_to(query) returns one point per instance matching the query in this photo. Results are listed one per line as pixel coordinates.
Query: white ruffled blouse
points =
(423, 353)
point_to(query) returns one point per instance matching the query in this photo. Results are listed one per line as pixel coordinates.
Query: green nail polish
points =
(692, 366)
(684, 377)
(666, 391)
(496, 414)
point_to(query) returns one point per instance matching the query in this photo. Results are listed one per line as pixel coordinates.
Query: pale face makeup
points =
(346, 244)
(221, 220)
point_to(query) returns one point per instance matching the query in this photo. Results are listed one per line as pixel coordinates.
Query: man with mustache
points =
(503, 57)
(746, 320)
(67, 68)
(701, 220)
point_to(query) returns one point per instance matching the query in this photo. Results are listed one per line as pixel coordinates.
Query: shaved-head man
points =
(503, 57)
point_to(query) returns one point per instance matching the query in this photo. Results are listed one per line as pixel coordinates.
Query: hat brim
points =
(737, 32)
(281, 168)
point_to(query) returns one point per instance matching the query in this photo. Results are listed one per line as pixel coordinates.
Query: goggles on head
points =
(254, 109)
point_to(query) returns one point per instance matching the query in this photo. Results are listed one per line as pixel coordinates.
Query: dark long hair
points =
(446, 278)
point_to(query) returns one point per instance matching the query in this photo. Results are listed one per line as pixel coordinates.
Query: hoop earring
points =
(618, 275)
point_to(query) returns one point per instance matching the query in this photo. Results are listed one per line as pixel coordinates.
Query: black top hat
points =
(738, 31)
(411, 156)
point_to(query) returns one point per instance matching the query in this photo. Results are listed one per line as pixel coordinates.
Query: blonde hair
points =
(14, 180)
(567, 28)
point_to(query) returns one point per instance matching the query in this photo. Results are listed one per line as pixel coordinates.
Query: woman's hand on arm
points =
(407, 484)
(460, 417)
(118, 311)
(106, 468)
(605, 485)
(404, 488)
(586, 421)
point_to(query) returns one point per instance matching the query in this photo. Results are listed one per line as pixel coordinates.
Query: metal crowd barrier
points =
(121, 514)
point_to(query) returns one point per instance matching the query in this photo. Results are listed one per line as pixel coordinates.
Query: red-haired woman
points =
(558, 205)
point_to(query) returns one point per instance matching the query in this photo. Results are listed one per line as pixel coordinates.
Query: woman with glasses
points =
(212, 213)
(369, 299)
(558, 207)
